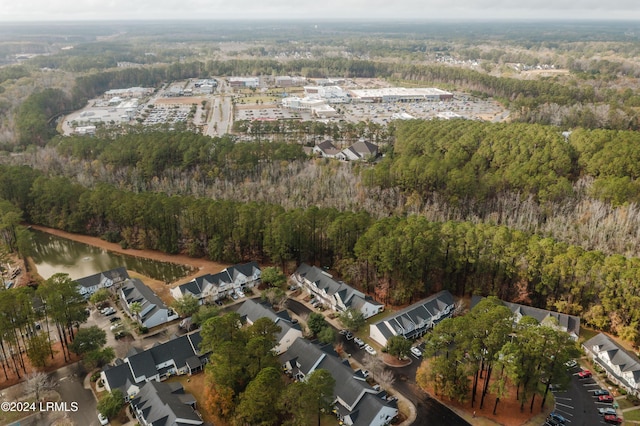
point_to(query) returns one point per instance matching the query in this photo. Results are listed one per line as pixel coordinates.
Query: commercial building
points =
(399, 94)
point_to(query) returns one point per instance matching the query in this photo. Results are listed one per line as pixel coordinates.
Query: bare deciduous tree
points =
(37, 383)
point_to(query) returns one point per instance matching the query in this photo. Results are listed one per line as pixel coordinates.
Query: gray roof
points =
(570, 323)
(617, 355)
(162, 405)
(179, 350)
(348, 388)
(134, 290)
(412, 316)
(364, 148)
(349, 296)
(116, 275)
(119, 377)
(253, 311)
(226, 276)
(368, 408)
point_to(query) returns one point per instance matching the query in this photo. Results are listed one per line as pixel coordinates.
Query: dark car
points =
(555, 419)
(114, 319)
(600, 392)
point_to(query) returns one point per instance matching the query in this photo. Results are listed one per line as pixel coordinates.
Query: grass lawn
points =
(195, 385)
(632, 415)
(587, 333)
(624, 403)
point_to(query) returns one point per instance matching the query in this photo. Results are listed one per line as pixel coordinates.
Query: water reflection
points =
(53, 254)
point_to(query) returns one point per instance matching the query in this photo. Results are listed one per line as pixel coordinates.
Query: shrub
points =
(95, 376)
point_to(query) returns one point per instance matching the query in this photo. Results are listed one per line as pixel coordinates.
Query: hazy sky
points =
(55, 10)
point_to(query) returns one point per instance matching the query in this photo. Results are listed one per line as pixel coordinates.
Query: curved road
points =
(429, 411)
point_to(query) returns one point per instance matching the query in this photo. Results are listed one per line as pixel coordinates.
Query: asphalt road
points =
(429, 411)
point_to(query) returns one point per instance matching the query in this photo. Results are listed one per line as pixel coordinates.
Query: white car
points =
(115, 326)
(240, 293)
(103, 420)
(359, 342)
(415, 351)
(370, 350)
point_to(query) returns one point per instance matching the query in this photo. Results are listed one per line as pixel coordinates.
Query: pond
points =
(53, 254)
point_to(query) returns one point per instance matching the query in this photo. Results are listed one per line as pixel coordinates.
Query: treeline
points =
(398, 259)
(469, 162)
(154, 152)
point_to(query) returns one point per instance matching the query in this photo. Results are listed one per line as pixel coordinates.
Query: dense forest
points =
(398, 259)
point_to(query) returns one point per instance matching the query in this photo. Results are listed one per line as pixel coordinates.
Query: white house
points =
(154, 312)
(178, 356)
(567, 323)
(621, 367)
(89, 285)
(361, 150)
(209, 288)
(355, 401)
(335, 294)
(250, 311)
(415, 320)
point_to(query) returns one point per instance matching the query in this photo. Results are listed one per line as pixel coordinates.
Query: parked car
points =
(114, 319)
(607, 411)
(240, 293)
(571, 363)
(365, 373)
(115, 326)
(584, 374)
(343, 331)
(109, 313)
(416, 352)
(605, 398)
(349, 336)
(102, 419)
(613, 419)
(556, 419)
(234, 296)
(600, 392)
(359, 342)
(370, 350)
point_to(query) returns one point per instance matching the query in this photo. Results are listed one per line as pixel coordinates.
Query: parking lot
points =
(577, 404)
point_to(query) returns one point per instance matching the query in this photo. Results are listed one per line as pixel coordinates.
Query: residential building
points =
(211, 287)
(621, 367)
(251, 310)
(89, 285)
(567, 323)
(361, 150)
(356, 402)
(154, 312)
(177, 356)
(326, 149)
(414, 321)
(334, 294)
(160, 404)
